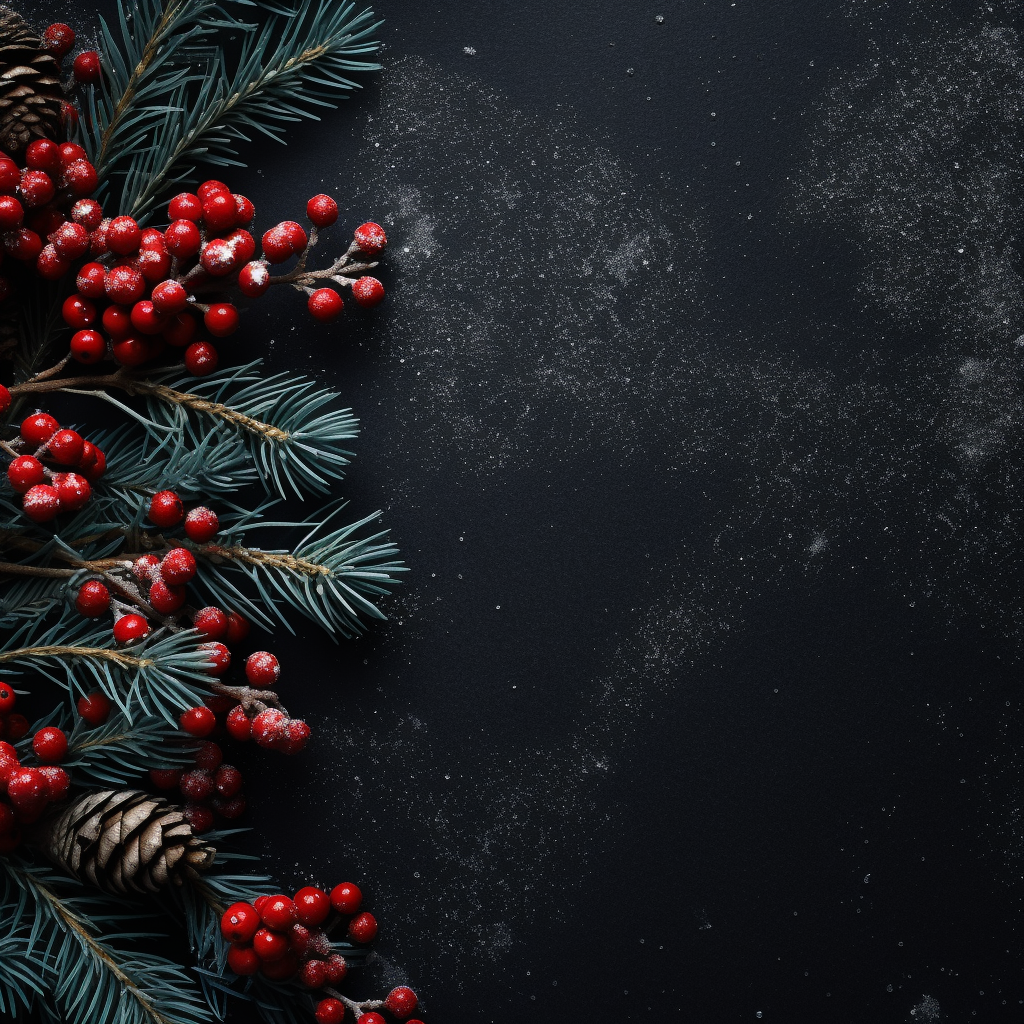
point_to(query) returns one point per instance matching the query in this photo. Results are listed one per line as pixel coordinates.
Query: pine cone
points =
(123, 841)
(30, 89)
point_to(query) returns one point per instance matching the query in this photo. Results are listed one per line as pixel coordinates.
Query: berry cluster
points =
(25, 791)
(59, 40)
(211, 788)
(45, 491)
(287, 939)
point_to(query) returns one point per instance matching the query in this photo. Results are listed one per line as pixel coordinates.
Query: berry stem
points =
(250, 699)
(356, 1008)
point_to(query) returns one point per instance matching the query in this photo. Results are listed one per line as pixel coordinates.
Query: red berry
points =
(199, 817)
(221, 319)
(129, 628)
(269, 945)
(66, 447)
(367, 292)
(219, 212)
(254, 279)
(218, 258)
(39, 428)
(196, 784)
(201, 525)
(278, 913)
(201, 358)
(94, 707)
(88, 347)
(228, 781)
(86, 68)
(262, 669)
(296, 736)
(337, 968)
(93, 599)
(23, 244)
(240, 923)
(243, 245)
(346, 898)
(73, 491)
(50, 265)
(179, 329)
(243, 960)
(238, 724)
(12, 213)
(325, 304)
(154, 266)
(199, 721)
(81, 178)
(183, 239)
(166, 599)
(313, 974)
(36, 188)
(152, 240)
(238, 628)
(58, 782)
(144, 565)
(123, 236)
(131, 351)
(312, 906)
(401, 1002)
(370, 1018)
(209, 755)
(28, 791)
(322, 211)
(219, 658)
(268, 727)
(370, 238)
(330, 1011)
(7, 698)
(10, 174)
(59, 39)
(41, 503)
(244, 210)
(93, 463)
(170, 297)
(86, 212)
(146, 318)
(25, 472)
(43, 155)
(211, 188)
(71, 241)
(211, 622)
(9, 763)
(283, 241)
(185, 206)
(166, 509)
(178, 566)
(165, 778)
(124, 285)
(5, 399)
(50, 745)
(117, 321)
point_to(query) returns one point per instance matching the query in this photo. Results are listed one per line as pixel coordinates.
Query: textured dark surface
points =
(695, 408)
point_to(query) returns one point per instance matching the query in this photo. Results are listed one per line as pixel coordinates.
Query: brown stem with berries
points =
(357, 1008)
(248, 697)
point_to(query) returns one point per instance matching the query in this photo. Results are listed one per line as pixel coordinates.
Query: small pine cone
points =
(123, 841)
(30, 89)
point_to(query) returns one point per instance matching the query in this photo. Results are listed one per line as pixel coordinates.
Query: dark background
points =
(695, 410)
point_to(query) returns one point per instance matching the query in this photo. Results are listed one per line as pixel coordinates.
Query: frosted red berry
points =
(254, 279)
(218, 658)
(201, 525)
(183, 239)
(296, 736)
(80, 178)
(50, 265)
(196, 784)
(169, 297)
(240, 922)
(166, 509)
(93, 599)
(228, 781)
(218, 258)
(43, 155)
(201, 358)
(198, 721)
(73, 490)
(330, 1011)
(199, 817)
(262, 669)
(94, 707)
(24, 472)
(129, 628)
(38, 428)
(337, 968)
(269, 945)
(370, 1018)
(221, 319)
(220, 211)
(243, 245)
(312, 906)
(244, 210)
(123, 236)
(268, 727)
(278, 912)
(27, 791)
(211, 622)
(143, 567)
(23, 244)
(243, 961)
(87, 212)
(58, 782)
(362, 928)
(50, 745)
(346, 898)
(71, 241)
(367, 292)
(209, 755)
(59, 39)
(178, 566)
(166, 599)
(211, 188)
(325, 304)
(87, 347)
(86, 68)
(238, 724)
(401, 1001)
(36, 188)
(280, 243)
(370, 238)
(12, 214)
(65, 447)
(124, 285)
(322, 211)
(185, 206)
(313, 974)
(41, 503)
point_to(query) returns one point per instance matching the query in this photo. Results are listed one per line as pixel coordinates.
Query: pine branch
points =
(93, 979)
